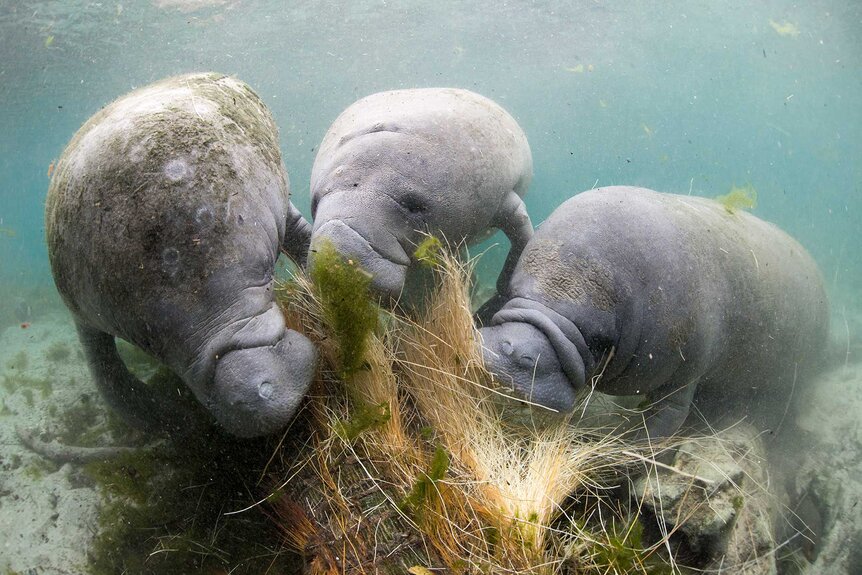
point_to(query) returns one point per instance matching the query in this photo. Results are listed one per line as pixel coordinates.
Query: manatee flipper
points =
(514, 221)
(297, 236)
(669, 406)
(127, 395)
(60, 453)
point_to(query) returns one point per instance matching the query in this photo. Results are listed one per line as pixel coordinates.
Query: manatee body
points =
(164, 220)
(629, 291)
(397, 165)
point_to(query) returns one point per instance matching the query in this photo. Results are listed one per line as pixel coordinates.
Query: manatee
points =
(628, 291)
(398, 165)
(164, 219)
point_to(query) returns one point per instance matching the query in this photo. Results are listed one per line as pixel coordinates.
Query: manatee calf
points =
(400, 164)
(164, 220)
(628, 291)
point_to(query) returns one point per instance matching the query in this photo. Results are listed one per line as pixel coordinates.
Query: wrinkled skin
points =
(397, 165)
(164, 221)
(664, 295)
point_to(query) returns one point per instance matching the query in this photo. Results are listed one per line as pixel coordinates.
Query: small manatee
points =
(628, 291)
(164, 219)
(397, 165)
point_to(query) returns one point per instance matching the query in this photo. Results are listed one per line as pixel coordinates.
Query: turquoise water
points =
(686, 97)
(692, 96)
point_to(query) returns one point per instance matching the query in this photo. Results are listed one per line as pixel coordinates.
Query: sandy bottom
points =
(49, 514)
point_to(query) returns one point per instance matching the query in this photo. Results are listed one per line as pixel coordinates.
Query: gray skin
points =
(662, 295)
(397, 165)
(164, 221)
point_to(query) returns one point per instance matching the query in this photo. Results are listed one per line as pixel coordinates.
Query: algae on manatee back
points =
(738, 198)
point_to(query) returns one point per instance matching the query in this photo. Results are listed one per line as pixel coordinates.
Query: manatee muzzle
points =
(525, 349)
(256, 391)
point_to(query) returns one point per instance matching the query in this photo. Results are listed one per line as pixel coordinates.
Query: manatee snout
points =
(257, 390)
(378, 252)
(523, 360)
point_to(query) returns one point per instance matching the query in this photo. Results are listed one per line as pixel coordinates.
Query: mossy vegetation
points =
(167, 510)
(621, 548)
(19, 361)
(163, 507)
(429, 252)
(58, 352)
(424, 488)
(343, 289)
(744, 198)
(86, 424)
(364, 417)
(39, 468)
(26, 384)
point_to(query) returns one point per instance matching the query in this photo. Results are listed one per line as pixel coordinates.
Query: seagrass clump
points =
(410, 466)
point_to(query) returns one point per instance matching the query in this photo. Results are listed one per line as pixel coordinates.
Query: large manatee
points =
(628, 291)
(397, 165)
(164, 221)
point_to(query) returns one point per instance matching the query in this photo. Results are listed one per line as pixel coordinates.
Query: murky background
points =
(686, 97)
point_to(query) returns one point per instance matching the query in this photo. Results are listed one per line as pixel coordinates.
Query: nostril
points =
(265, 390)
(506, 347)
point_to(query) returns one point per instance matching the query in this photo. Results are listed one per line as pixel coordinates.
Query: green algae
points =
(19, 361)
(429, 252)
(39, 468)
(424, 488)
(344, 292)
(744, 198)
(58, 352)
(85, 424)
(27, 384)
(164, 510)
(362, 418)
(621, 549)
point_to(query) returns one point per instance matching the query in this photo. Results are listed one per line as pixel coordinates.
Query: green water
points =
(685, 97)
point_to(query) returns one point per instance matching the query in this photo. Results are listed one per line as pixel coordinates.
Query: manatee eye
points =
(413, 204)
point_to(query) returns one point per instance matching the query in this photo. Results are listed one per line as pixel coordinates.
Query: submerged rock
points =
(714, 503)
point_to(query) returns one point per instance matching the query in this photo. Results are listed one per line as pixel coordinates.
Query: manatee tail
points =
(127, 395)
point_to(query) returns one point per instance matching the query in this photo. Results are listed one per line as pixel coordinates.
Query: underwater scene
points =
(430, 287)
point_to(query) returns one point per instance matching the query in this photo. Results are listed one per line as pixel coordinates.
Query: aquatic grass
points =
(467, 490)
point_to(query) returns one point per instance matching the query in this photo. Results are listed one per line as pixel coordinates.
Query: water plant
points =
(58, 352)
(440, 480)
(429, 251)
(26, 384)
(19, 361)
(170, 510)
(744, 198)
(342, 288)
